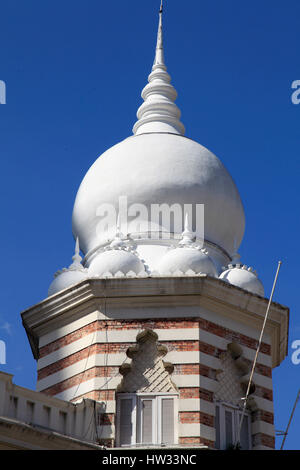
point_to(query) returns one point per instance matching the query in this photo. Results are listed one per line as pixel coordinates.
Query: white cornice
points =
(212, 294)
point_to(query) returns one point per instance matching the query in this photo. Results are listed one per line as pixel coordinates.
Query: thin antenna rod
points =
(257, 351)
(290, 420)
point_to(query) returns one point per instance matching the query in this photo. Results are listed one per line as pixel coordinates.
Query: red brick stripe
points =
(232, 336)
(112, 348)
(196, 392)
(263, 392)
(110, 371)
(196, 417)
(264, 440)
(81, 378)
(195, 369)
(99, 395)
(97, 348)
(196, 440)
(111, 325)
(107, 419)
(261, 415)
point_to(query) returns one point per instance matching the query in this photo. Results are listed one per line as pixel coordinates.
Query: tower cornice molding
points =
(202, 292)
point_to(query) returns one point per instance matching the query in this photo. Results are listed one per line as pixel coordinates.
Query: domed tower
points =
(159, 321)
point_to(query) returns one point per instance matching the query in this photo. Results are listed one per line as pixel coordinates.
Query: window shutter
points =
(125, 421)
(228, 428)
(245, 438)
(167, 421)
(147, 425)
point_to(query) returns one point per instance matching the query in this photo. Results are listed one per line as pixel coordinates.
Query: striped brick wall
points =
(83, 360)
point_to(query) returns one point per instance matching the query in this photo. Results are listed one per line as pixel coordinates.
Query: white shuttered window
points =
(227, 422)
(146, 419)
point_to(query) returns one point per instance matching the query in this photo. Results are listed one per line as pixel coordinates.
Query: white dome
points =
(185, 259)
(159, 168)
(242, 277)
(65, 279)
(114, 261)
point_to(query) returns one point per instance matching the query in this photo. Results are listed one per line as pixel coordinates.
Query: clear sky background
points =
(74, 71)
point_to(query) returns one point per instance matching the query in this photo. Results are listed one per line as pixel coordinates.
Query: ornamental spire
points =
(159, 53)
(76, 258)
(188, 236)
(159, 113)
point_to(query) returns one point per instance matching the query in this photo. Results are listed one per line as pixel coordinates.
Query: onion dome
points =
(187, 258)
(241, 276)
(159, 166)
(117, 259)
(69, 276)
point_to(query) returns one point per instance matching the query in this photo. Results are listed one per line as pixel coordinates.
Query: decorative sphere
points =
(66, 279)
(185, 259)
(113, 261)
(245, 279)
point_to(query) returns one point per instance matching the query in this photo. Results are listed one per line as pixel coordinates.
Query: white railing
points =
(76, 420)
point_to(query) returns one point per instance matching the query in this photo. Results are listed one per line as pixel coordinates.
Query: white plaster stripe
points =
(120, 336)
(91, 317)
(187, 312)
(112, 382)
(209, 361)
(221, 343)
(262, 427)
(97, 360)
(147, 313)
(97, 383)
(196, 404)
(194, 381)
(265, 405)
(233, 325)
(197, 430)
(181, 380)
(262, 381)
(130, 336)
(110, 406)
(70, 328)
(263, 359)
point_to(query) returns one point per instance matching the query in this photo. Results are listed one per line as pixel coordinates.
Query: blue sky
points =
(74, 72)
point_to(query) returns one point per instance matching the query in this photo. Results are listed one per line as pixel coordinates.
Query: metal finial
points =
(159, 54)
